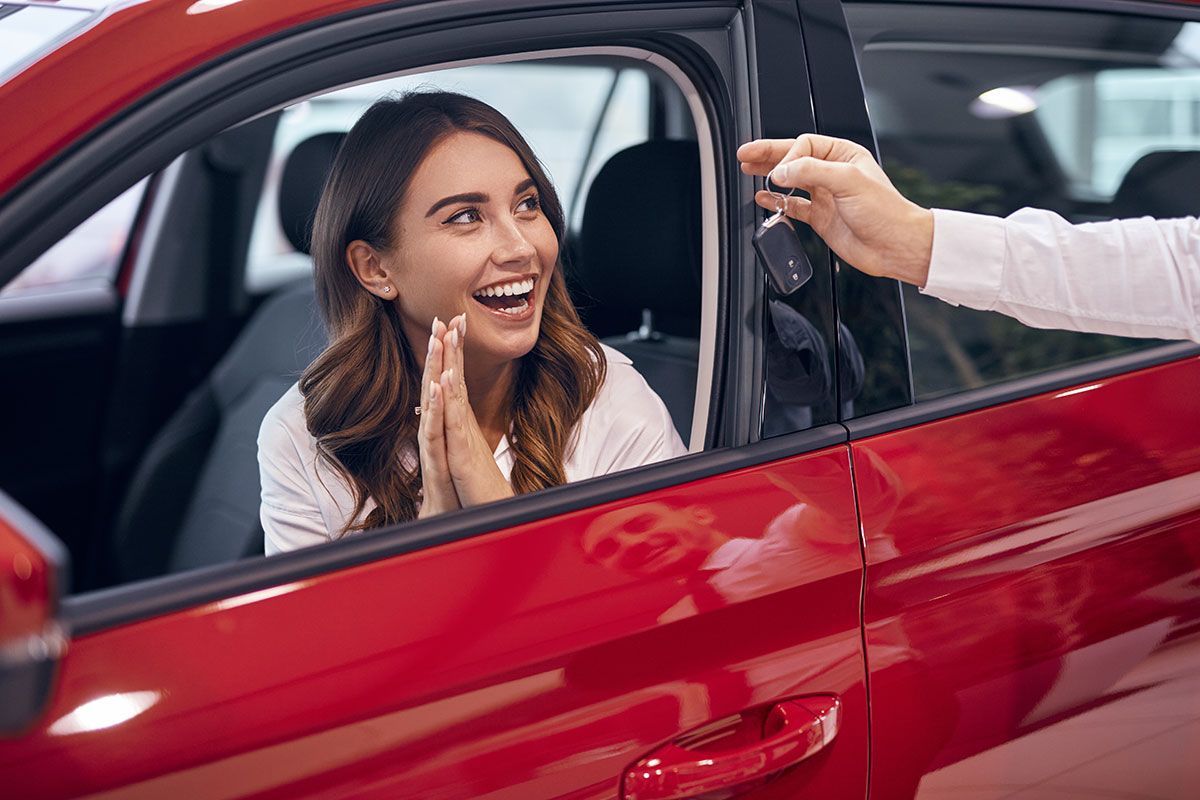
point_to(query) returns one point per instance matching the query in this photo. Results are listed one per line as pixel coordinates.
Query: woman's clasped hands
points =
(458, 469)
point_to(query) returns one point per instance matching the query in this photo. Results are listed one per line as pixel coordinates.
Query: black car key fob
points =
(779, 248)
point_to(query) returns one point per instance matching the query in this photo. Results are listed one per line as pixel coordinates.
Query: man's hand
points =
(473, 470)
(853, 205)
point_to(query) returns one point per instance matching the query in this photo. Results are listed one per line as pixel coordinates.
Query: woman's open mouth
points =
(512, 300)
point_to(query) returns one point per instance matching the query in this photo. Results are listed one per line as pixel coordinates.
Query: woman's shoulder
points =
(284, 422)
(625, 426)
(626, 396)
(620, 374)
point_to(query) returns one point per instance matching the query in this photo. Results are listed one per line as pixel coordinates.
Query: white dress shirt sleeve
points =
(1133, 277)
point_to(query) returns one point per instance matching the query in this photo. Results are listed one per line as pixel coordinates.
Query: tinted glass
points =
(991, 110)
(88, 256)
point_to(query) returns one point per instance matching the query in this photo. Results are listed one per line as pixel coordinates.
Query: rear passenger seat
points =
(640, 264)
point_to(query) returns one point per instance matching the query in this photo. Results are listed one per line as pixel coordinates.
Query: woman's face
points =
(471, 237)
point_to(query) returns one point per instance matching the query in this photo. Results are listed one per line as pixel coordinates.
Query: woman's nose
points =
(511, 244)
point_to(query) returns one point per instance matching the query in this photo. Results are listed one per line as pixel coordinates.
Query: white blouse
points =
(305, 502)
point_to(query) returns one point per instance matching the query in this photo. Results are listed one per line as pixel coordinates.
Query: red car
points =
(915, 550)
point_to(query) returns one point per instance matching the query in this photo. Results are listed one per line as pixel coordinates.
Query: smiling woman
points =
(437, 209)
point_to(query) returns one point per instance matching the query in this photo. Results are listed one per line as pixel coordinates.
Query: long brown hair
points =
(360, 392)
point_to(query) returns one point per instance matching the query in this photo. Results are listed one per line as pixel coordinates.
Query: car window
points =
(575, 117)
(88, 256)
(1100, 124)
(991, 110)
(186, 493)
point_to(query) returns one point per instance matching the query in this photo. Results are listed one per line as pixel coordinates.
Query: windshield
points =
(27, 32)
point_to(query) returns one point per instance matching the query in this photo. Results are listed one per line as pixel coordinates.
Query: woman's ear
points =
(364, 261)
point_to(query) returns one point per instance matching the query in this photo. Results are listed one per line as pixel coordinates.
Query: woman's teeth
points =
(507, 298)
(507, 289)
(521, 305)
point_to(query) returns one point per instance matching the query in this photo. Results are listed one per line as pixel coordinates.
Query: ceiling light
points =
(1005, 101)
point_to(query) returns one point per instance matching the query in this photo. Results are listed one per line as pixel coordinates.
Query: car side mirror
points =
(33, 573)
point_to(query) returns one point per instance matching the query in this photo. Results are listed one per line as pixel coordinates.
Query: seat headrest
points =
(640, 240)
(300, 187)
(1162, 184)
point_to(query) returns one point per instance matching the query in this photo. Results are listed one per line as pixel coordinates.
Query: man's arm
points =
(1135, 277)
(1130, 277)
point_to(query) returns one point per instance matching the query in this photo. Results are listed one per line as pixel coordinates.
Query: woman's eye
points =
(464, 217)
(529, 203)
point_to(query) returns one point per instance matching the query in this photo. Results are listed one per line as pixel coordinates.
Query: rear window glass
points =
(990, 110)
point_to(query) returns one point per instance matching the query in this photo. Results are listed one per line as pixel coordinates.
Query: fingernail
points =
(783, 172)
(462, 327)
(433, 328)
(432, 342)
(454, 337)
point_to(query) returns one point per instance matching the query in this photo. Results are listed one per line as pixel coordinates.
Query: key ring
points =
(780, 198)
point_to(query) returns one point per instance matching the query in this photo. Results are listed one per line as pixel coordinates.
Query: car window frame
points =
(705, 43)
(1057, 378)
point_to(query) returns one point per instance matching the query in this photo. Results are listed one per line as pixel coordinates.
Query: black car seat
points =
(194, 498)
(639, 270)
(1162, 184)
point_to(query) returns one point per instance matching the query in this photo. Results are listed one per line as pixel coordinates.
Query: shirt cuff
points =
(967, 262)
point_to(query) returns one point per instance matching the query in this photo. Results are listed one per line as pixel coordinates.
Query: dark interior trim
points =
(97, 611)
(1019, 389)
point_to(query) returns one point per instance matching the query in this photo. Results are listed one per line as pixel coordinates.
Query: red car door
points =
(541, 660)
(1033, 604)
(683, 628)
(1031, 514)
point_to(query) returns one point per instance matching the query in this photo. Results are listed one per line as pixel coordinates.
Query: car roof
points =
(128, 49)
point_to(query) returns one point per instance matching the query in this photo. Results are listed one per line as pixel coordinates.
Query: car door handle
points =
(703, 761)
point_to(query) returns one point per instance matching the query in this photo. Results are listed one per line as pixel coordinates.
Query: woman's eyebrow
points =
(467, 197)
(525, 186)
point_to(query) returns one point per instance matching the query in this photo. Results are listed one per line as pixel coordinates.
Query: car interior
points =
(199, 353)
(927, 69)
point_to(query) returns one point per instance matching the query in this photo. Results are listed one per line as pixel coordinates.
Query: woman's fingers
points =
(453, 361)
(433, 362)
(437, 488)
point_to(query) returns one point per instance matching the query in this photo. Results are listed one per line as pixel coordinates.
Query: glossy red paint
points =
(27, 591)
(94, 77)
(539, 661)
(1033, 616)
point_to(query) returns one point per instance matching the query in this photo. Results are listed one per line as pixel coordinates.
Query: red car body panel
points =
(1033, 616)
(94, 77)
(539, 661)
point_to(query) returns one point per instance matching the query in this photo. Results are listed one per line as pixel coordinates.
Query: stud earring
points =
(387, 290)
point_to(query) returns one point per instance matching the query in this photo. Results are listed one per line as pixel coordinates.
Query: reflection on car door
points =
(1033, 601)
(538, 661)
